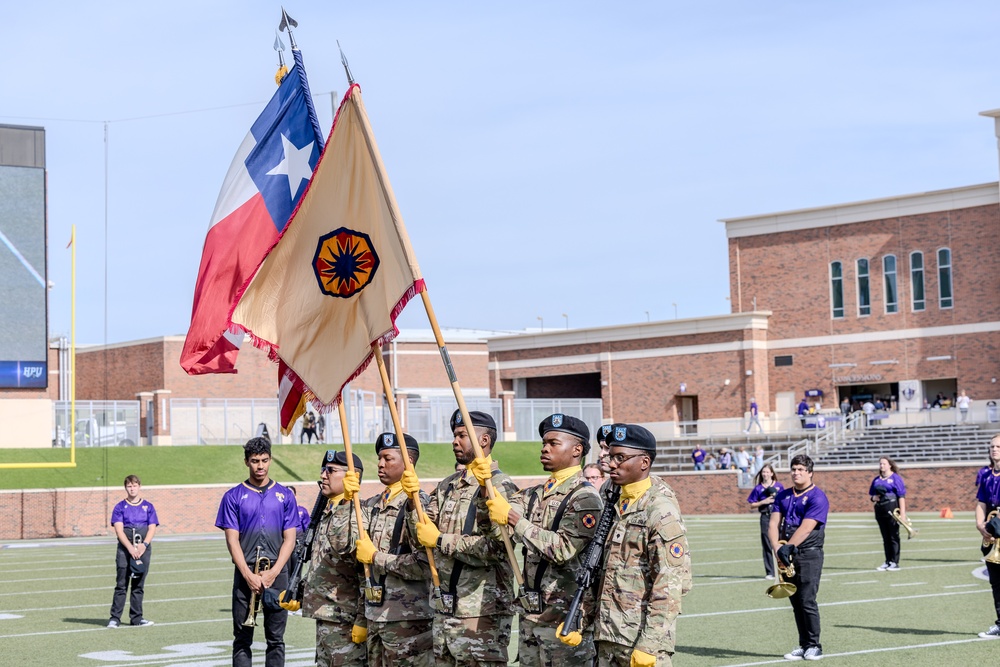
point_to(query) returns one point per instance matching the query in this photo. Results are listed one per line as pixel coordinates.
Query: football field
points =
(55, 596)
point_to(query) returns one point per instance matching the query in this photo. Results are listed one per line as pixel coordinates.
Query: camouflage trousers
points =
(334, 647)
(400, 643)
(469, 642)
(610, 654)
(538, 646)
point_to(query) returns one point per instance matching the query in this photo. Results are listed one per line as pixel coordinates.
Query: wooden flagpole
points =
(467, 420)
(398, 428)
(350, 468)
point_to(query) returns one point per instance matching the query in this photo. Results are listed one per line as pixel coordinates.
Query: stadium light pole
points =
(567, 320)
(541, 323)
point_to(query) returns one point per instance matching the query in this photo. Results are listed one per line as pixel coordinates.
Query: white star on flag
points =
(295, 165)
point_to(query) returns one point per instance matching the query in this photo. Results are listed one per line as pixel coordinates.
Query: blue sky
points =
(548, 157)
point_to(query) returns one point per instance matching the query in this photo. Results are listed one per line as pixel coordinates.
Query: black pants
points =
(994, 572)
(765, 544)
(273, 622)
(808, 568)
(889, 529)
(122, 583)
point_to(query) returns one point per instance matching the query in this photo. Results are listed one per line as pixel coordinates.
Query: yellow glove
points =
(411, 484)
(480, 470)
(352, 485)
(365, 552)
(291, 605)
(359, 634)
(570, 639)
(499, 510)
(427, 533)
(642, 659)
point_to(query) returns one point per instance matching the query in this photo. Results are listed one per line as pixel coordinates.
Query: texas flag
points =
(265, 181)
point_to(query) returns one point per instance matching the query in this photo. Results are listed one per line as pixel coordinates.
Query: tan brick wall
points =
(45, 513)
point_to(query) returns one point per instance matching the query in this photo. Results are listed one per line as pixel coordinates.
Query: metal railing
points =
(97, 423)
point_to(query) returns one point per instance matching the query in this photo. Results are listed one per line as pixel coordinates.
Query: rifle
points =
(591, 561)
(291, 597)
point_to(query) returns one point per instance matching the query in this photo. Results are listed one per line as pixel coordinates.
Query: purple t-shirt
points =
(983, 473)
(796, 506)
(304, 518)
(891, 485)
(759, 493)
(753, 409)
(140, 515)
(989, 491)
(698, 455)
(260, 515)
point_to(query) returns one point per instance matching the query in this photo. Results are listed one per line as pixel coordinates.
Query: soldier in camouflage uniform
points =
(647, 565)
(332, 592)
(396, 597)
(555, 521)
(473, 613)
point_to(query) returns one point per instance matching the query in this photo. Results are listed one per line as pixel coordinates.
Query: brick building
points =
(894, 298)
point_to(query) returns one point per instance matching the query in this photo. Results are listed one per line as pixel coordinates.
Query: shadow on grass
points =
(717, 652)
(935, 560)
(727, 576)
(901, 631)
(288, 471)
(87, 621)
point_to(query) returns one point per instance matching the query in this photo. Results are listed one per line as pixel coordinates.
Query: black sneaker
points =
(143, 623)
(992, 633)
(813, 653)
(796, 654)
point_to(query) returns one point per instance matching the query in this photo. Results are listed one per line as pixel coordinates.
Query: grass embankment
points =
(205, 464)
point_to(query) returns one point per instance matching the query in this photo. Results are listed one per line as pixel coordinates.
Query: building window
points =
(944, 278)
(837, 288)
(889, 278)
(917, 280)
(783, 360)
(864, 289)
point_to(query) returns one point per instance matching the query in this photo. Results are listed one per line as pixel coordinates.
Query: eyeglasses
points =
(329, 470)
(619, 459)
(593, 478)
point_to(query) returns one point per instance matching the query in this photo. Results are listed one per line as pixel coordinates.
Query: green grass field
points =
(108, 466)
(55, 597)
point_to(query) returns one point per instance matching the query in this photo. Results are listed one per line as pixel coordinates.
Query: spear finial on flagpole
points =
(282, 69)
(287, 23)
(347, 68)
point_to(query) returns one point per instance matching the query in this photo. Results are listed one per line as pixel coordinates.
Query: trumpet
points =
(262, 564)
(782, 589)
(911, 532)
(992, 543)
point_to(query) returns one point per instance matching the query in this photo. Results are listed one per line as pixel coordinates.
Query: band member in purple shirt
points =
(798, 517)
(259, 518)
(134, 520)
(888, 492)
(761, 499)
(988, 500)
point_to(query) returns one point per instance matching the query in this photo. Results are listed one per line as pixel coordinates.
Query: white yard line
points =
(148, 601)
(867, 651)
(63, 591)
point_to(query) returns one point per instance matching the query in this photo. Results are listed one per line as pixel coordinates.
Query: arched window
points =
(837, 289)
(917, 280)
(864, 289)
(944, 278)
(889, 281)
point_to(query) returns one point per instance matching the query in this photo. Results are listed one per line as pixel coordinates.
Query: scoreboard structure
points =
(23, 265)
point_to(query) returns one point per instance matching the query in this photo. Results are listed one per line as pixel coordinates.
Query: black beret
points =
(633, 436)
(602, 433)
(481, 419)
(565, 424)
(340, 458)
(388, 440)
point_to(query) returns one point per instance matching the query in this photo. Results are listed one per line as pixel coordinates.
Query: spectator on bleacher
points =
(698, 456)
(869, 409)
(761, 499)
(754, 417)
(711, 463)
(879, 405)
(743, 460)
(888, 492)
(802, 411)
(962, 403)
(758, 459)
(725, 459)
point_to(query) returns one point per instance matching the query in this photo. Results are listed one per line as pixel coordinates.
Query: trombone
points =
(992, 543)
(262, 564)
(782, 589)
(911, 532)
